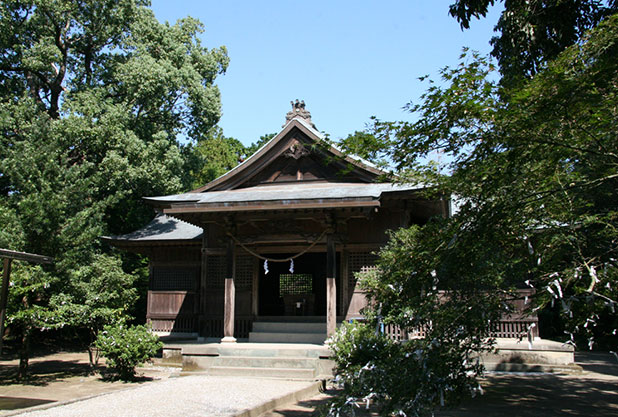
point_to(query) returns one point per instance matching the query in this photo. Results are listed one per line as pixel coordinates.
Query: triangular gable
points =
(298, 153)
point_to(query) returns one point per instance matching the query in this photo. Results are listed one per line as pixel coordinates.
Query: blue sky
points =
(348, 60)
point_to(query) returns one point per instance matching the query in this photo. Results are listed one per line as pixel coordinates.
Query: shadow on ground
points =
(14, 403)
(43, 372)
(523, 395)
(542, 395)
(598, 362)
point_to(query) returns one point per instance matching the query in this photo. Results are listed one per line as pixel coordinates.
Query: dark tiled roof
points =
(161, 228)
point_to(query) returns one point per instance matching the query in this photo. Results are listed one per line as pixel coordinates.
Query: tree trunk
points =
(93, 352)
(24, 355)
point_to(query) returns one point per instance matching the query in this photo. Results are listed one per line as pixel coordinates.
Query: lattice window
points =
(244, 271)
(174, 278)
(295, 284)
(359, 262)
(215, 271)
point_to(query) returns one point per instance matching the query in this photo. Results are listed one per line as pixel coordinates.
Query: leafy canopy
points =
(534, 171)
(531, 33)
(94, 96)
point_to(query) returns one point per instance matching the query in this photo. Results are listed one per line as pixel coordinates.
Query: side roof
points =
(162, 228)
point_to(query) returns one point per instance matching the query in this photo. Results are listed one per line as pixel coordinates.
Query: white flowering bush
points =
(443, 321)
(411, 378)
(124, 347)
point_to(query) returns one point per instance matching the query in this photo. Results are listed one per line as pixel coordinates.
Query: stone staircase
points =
(267, 360)
(301, 329)
(277, 347)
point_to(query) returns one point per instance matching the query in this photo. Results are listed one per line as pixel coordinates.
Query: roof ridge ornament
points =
(298, 111)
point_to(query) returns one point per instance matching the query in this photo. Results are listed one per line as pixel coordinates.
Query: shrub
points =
(125, 347)
(412, 377)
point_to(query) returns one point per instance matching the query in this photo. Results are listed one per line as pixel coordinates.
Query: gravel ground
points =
(185, 396)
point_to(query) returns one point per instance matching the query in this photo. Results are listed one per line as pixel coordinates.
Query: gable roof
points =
(296, 130)
(298, 169)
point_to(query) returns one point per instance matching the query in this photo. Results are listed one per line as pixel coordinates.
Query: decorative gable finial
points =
(298, 111)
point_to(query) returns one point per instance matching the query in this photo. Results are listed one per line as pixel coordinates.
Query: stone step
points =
(294, 319)
(532, 367)
(262, 362)
(292, 373)
(288, 327)
(268, 350)
(276, 337)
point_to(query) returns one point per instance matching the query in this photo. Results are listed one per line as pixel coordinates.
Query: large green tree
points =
(94, 96)
(532, 32)
(534, 170)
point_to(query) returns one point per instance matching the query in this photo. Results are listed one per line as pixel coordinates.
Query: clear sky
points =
(348, 60)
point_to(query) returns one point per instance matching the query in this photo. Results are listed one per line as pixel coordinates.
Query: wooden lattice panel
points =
(217, 268)
(244, 271)
(359, 262)
(174, 278)
(295, 284)
(215, 271)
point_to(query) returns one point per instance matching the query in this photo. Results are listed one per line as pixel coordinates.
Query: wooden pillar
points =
(4, 297)
(255, 288)
(203, 284)
(331, 289)
(343, 281)
(230, 295)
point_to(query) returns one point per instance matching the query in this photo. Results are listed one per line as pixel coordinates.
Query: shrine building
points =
(278, 238)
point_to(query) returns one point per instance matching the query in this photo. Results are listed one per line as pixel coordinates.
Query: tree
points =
(415, 288)
(95, 94)
(534, 32)
(367, 146)
(263, 140)
(216, 154)
(97, 294)
(535, 171)
(27, 310)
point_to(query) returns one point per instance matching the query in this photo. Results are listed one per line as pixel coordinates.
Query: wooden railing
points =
(178, 324)
(515, 329)
(508, 329)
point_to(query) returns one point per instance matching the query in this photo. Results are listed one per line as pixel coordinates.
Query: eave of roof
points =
(293, 195)
(161, 229)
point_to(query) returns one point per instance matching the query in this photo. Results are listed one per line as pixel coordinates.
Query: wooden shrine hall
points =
(277, 238)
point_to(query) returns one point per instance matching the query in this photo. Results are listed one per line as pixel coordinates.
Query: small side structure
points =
(272, 246)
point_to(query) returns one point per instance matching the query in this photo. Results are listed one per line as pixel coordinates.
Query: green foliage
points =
(216, 155)
(94, 96)
(416, 289)
(263, 140)
(367, 146)
(532, 33)
(27, 306)
(98, 294)
(411, 378)
(534, 172)
(125, 347)
(11, 234)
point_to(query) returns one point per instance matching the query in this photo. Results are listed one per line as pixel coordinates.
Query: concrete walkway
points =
(186, 396)
(593, 392)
